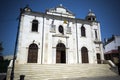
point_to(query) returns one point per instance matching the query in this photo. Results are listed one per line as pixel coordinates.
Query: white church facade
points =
(56, 36)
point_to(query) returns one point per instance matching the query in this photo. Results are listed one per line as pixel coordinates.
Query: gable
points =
(60, 11)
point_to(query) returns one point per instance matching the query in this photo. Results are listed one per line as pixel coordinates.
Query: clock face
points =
(60, 29)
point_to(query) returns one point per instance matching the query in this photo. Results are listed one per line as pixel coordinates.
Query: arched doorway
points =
(84, 54)
(60, 53)
(98, 58)
(32, 53)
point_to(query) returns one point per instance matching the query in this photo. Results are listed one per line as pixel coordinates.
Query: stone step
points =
(56, 71)
(60, 66)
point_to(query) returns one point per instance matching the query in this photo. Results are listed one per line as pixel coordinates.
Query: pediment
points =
(60, 11)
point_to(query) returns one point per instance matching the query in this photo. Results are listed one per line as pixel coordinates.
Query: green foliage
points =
(1, 48)
(4, 65)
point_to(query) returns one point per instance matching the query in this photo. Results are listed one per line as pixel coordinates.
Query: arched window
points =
(83, 31)
(33, 53)
(84, 54)
(96, 37)
(35, 25)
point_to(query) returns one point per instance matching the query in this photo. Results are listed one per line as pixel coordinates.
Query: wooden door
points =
(58, 57)
(60, 53)
(32, 53)
(63, 57)
(98, 58)
(84, 58)
(84, 55)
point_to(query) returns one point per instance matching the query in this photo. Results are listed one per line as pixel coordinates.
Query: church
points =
(58, 37)
(55, 45)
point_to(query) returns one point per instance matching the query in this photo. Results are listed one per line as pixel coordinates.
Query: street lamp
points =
(15, 49)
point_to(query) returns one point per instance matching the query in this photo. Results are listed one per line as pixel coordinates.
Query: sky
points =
(107, 13)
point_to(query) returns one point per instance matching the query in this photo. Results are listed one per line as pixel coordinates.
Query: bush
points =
(4, 65)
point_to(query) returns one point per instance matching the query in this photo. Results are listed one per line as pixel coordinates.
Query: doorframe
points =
(29, 49)
(61, 45)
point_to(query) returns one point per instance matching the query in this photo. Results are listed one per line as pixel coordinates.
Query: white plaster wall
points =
(85, 42)
(117, 41)
(26, 37)
(49, 54)
(60, 11)
(113, 45)
(50, 40)
(110, 46)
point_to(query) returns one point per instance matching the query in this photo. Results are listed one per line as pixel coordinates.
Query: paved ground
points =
(94, 78)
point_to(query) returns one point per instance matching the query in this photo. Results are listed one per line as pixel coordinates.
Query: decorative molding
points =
(58, 35)
(97, 42)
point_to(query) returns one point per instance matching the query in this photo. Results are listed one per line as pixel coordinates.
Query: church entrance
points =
(84, 54)
(60, 53)
(32, 53)
(98, 58)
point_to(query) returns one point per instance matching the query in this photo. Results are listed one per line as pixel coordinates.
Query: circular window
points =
(60, 29)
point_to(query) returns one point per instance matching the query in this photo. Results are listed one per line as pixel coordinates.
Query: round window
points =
(60, 29)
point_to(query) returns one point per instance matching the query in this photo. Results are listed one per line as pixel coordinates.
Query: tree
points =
(1, 48)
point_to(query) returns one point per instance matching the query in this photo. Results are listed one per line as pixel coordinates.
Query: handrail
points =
(110, 63)
(10, 64)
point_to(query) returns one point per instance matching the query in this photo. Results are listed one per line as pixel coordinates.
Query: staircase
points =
(61, 71)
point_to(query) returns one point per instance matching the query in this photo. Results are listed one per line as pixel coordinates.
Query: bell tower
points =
(91, 16)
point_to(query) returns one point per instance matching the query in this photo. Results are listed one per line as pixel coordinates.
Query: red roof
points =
(112, 51)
